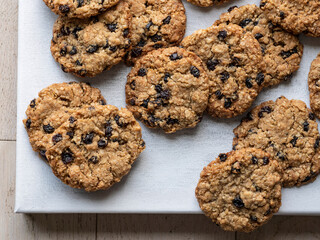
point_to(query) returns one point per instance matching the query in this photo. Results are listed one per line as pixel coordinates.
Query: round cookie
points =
(288, 131)
(155, 24)
(235, 66)
(87, 47)
(169, 89)
(240, 190)
(297, 16)
(79, 8)
(55, 98)
(96, 149)
(207, 3)
(282, 51)
(314, 86)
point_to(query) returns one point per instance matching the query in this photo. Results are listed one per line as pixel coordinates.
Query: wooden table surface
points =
(98, 226)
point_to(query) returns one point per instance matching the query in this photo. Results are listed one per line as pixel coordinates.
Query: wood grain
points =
(8, 67)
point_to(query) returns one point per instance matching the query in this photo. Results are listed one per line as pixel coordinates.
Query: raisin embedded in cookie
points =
(288, 131)
(314, 86)
(207, 3)
(155, 24)
(297, 16)
(55, 98)
(235, 66)
(79, 8)
(87, 47)
(96, 149)
(168, 89)
(240, 190)
(282, 51)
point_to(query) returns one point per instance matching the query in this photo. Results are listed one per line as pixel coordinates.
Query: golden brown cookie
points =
(96, 149)
(282, 51)
(288, 131)
(296, 16)
(234, 64)
(240, 190)
(155, 24)
(57, 97)
(79, 8)
(168, 89)
(87, 47)
(314, 86)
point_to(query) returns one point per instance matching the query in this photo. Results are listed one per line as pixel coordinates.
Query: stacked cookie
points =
(88, 144)
(92, 36)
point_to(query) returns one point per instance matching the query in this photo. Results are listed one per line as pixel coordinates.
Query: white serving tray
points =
(164, 177)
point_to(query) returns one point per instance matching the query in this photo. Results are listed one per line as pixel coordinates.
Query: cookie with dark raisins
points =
(168, 89)
(288, 131)
(242, 190)
(234, 63)
(98, 149)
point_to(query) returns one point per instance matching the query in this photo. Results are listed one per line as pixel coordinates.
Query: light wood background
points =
(94, 226)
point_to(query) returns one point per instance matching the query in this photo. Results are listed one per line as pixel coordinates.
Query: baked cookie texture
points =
(57, 97)
(168, 89)
(87, 47)
(234, 64)
(155, 24)
(79, 8)
(288, 131)
(314, 86)
(96, 149)
(296, 16)
(207, 3)
(282, 51)
(240, 190)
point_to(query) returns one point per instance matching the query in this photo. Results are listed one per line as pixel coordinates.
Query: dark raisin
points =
(158, 88)
(70, 134)
(249, 83)
(306, 126)
(113, 48)
(63, 51)
(245, 22)
(33, 103)
(195, 71)
(75, 31)
(172, 121)
(64, 8)
(227, 103)
(224, 76)
(281, 156)
(157, 46)
(254, 160)
(132, 102)
(142, 43)
(231, 8)
(112, 27)
(119, 123)
(142, 72)
(108, 131)
(148, 26)
(175, 56)
(94, 159)
(235, 62)
(238, 202)
(166, 20)
(78, 63)
(223, 157)
(72, 119)
(222, 35)
(133, 85)
(258, 36)
(136, 52)
(265, 161)
(48, 128)
(65, 31)
(92, 49)
(106, 45)
(156, 38)
(255, 23)
(311, 116)
(165, 94)
(142, 143)
(102, 102)
(253, 218)
(73, 51)
(265, 109)
(262, 4)
(166, 76)
(145, 103)
(317, 143)
(282, 15)
(293, 141)
(57, 138)
(212, 63)
(102, 143)
(126, 32)
(67, 156)
(260, 78)
(287, 54)
(28, 123)
(80, 3)
(88, 138)
(218, 94)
